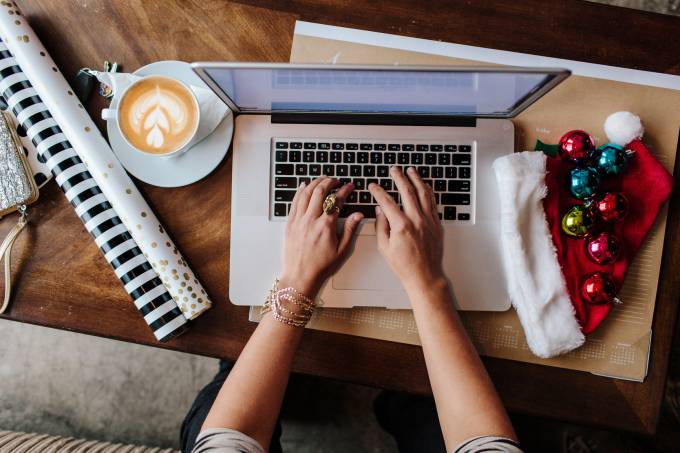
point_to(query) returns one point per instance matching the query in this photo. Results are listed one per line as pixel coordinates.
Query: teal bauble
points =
(609, 159)
(583, 182)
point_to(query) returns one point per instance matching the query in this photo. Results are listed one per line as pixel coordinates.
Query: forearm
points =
(251, 397)
(467, 402)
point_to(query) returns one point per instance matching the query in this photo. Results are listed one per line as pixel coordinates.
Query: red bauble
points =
(598, 288)
(611, 207)
(603, 248)
(576, 146)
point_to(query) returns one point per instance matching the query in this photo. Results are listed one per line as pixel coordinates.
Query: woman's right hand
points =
(410, 240)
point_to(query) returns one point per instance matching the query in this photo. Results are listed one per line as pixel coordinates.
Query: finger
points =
(315, 208)
(306, 194)
(296, 200)
(340, 198)
(433, 202)
(422, 191)
(386, 203)
(351, 226)
(409, 199)
(382, 228)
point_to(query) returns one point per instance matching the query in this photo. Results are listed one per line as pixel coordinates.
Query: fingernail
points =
(411, 169)
(357, 216)
(302, 184)
(378, 211)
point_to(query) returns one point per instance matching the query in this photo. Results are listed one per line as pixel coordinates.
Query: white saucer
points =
(188, 167)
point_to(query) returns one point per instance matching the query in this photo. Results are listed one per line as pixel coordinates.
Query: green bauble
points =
(578, 221)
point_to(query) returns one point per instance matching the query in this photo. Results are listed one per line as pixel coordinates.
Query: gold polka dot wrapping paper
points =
(95, 152)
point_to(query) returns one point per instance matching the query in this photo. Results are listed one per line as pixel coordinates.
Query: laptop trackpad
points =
(365, 268)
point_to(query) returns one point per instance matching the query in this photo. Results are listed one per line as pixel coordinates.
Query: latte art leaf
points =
(157, 115)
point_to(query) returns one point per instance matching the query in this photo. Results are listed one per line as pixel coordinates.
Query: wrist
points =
(305, 286)
(433, 285)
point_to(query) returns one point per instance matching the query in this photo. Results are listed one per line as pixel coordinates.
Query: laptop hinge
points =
(373, 119)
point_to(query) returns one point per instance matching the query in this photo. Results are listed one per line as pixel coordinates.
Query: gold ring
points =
(330, 204)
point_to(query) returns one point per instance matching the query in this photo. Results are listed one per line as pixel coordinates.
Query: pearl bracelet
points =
(288, 306)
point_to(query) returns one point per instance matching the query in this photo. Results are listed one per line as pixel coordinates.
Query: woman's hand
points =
(312, 249)
(410, 240)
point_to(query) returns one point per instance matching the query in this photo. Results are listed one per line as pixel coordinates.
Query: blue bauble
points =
(610, 159)
(583, 182)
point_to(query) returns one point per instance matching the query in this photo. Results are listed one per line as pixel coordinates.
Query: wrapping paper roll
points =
(101, 221)
(93, 149)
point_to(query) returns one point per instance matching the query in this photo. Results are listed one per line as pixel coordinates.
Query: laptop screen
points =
(391, 90)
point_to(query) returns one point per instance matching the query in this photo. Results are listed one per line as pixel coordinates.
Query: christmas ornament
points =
(576, 146)
(611, 207)
(623, 127)
(582, 182)
(578, 221)
(603, 248)
(599, 288)
(610, 159)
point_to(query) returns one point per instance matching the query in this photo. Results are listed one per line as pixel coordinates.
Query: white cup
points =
(112, 114)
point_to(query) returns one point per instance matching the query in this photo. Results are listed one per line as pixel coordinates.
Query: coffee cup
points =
(157, 116)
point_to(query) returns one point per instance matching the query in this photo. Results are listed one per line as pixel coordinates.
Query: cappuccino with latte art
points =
(158, 115)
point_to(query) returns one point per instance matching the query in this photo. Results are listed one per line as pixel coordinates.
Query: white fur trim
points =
(535, 281)
(623, 127)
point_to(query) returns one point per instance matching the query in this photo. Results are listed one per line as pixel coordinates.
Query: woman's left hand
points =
(312, 249)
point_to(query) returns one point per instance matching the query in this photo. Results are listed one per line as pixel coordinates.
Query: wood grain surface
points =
(62, 281)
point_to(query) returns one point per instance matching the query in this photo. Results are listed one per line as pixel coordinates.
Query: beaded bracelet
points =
(289, 296)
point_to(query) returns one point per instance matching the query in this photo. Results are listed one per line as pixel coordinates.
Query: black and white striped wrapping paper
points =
(112, 237)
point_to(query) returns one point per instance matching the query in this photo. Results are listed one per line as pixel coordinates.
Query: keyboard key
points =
(295, 145)
(369, 170)
(338, 146)
(359, 183)
(459, 186)
(310, 145)
(385, 184)
(336, 157)
(281, 145)
(366, 146)
(322, 157)
(352, 146)
(314, 170)
(431, 159)
(436, 148)
(452, 199)
(308, 156)
(306, 180)
(437, 172)
(465, 148)
(407, 147)
(301, 169)
(440, 185)
(295, 156)
(436, 198)
(383, 171)
(342, 170)
(329, 170)
(444, 159)
(364, 197)
(281, 156)
(440, 215)
(394, 195)
(349, 158)
(428, 182)
(280, 209)
(366, 209)
(422, 148)
(285, 182)
(324, 146)
(344, 181)
(394, 147)
(464, 173)
(380, 147)
(402, 158)
(376, 158)
(284, 169)
(370, 181)
(424, 172)
(451, 172)
(284, 195)
(450, 148)
(353, 197)
(390, 158)
(450, 213)
(463, 216)
(362, 158)
(355, 170)
(460, 159)
(417, 158)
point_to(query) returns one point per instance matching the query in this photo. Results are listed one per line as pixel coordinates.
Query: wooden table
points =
(62, 280)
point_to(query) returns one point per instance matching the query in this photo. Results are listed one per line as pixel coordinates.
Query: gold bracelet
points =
(278, 299)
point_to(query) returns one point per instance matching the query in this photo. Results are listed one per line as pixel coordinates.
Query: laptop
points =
(296, 122)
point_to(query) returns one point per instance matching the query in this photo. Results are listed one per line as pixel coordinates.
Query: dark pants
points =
(410, 419)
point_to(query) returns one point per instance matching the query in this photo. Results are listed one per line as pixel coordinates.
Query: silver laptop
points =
(297, 122)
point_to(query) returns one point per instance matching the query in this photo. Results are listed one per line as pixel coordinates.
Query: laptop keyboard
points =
(445, 166)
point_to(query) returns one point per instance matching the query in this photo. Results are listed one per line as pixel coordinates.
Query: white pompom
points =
(623, 127)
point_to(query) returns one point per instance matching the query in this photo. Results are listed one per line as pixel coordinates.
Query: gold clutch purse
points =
(17, 190)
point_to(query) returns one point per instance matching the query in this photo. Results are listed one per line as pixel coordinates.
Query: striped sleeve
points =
(491, 444)
(224, 440)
